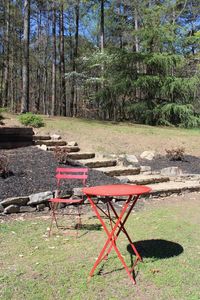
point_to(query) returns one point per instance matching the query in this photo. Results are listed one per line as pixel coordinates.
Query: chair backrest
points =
(72, 173)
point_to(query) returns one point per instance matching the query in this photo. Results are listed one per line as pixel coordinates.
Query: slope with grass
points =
(130, 138)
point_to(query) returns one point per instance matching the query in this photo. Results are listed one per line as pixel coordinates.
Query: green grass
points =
(76, 124)
(106, 137)
(36, 267)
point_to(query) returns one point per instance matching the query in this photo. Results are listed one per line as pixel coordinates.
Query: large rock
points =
(15, 200)
(119, 170)
(27, 209)
(98, 163)
(11, 209)
(144, 179)
(38, 198)
(149, 155)
(171, 171)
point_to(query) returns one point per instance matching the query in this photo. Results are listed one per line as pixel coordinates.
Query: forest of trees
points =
(107, 59)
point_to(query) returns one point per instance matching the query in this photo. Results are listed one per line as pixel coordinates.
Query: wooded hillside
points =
(107, 59)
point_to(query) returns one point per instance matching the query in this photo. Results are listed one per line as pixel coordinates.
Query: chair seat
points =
(69, 201)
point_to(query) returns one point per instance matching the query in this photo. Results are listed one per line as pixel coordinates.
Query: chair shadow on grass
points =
(155, 249)
(79, 229)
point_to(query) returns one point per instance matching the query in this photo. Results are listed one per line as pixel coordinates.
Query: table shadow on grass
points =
(156, 248)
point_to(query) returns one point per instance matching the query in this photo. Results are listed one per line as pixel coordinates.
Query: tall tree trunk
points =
(136, 30)
(102, 35)
(7, 56)
(53, 97)
(102, 44)
(74, 66)
(25, 69)
(62, 64)
(37, 96)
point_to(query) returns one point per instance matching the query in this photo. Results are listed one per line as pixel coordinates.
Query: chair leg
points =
(53, 216)
(79, 223)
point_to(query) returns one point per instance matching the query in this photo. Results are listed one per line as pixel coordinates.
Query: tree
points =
(25, 69)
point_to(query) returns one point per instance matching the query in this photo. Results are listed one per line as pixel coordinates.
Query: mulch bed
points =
(34, 171)
(189, 165)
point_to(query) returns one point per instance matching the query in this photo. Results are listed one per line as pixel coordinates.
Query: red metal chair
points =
(67, 174)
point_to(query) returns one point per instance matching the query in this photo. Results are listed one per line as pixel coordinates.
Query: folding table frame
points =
(118, 226)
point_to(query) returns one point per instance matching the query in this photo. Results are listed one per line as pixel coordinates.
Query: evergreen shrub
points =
(29, 119)
(170, 114)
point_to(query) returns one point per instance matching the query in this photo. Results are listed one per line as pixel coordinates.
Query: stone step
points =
(81, 155)
(50, 143)
(167, 188)
(98, 163)
(68, 148)
(119, 170)
(41, 137)
(143, 179)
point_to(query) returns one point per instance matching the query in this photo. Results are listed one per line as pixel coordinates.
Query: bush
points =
(175, 154)
(4, 164)
(3, 109)
(29, 119)
(61, 155)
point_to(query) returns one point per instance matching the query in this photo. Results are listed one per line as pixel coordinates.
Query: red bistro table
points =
(116, 226)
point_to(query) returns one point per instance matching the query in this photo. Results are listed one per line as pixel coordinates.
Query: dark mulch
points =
(34, 170)
(189, 165)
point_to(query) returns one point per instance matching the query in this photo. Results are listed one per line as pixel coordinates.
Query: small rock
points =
(132, 159)
(72, 144)
(77, 192)
(41, 206)
(149, 155)
(42, 147)
(11, 209)
(123, 179)
(55, 137)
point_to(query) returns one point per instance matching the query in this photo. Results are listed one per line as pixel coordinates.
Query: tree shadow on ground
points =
(156, 248)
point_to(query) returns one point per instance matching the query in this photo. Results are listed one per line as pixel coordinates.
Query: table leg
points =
(122, 228)
(111, 237)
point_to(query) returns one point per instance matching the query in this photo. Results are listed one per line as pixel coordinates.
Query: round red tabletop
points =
(116, 190)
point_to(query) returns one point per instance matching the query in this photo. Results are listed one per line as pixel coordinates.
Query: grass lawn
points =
(127, 138)
(36, 267)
